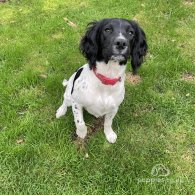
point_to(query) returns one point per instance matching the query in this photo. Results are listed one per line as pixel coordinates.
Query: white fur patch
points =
(121, 36)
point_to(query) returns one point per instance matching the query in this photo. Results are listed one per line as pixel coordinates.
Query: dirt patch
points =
(133, 79)
(79, 143)
(91, 129)
(98, 124)
(188, 77)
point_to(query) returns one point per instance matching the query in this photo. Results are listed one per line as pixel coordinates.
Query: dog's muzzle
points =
(118, 58)
(120, 50)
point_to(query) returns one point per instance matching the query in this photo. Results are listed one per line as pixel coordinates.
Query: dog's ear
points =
(89, 43)
(138, 48)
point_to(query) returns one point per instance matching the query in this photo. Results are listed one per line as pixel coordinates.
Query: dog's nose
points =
(120, 43)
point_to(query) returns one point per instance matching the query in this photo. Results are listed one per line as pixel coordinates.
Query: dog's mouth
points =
(119, 58)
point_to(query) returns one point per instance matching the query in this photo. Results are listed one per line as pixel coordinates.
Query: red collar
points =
(105, 80)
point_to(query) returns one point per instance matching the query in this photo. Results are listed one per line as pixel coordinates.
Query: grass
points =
(155, 123)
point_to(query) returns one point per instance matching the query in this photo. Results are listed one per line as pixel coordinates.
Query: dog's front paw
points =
(111, 136)
(81, 131)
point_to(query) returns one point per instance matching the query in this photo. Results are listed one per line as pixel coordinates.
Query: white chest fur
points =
(105, 100)
(99, 99)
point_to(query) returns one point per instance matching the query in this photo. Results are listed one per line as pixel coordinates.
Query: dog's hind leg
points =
(62, 109)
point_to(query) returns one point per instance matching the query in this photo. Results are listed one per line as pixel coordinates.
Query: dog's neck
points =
(112, 69)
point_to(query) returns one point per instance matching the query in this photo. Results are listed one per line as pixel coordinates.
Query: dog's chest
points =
(102, 103)
(98, 99)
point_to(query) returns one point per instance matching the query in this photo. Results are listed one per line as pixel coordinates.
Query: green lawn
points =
(155, 123)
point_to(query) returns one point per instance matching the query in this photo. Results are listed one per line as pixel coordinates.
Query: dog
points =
(98, 86)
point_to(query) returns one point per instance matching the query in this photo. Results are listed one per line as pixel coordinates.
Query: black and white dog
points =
(98, 86)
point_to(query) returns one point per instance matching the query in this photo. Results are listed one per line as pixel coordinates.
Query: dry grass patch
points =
(188, 2)
(132, 79)
(188, 77)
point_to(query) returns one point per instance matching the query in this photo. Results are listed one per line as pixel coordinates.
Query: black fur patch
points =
(76, 77)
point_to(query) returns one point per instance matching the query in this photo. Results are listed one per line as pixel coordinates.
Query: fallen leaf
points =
(70, 23)
(86, 155)
(20, 141)
(21, 113)
(44, 76)
(66, 19)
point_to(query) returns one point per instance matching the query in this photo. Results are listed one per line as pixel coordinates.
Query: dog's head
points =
(114, 39)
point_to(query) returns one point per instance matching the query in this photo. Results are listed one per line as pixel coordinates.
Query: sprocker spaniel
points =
(98, 86)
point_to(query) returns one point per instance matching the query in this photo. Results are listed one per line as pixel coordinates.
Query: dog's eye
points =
(107, 29)
(130, 32)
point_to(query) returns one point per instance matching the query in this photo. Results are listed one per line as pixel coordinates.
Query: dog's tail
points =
(65, 83)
